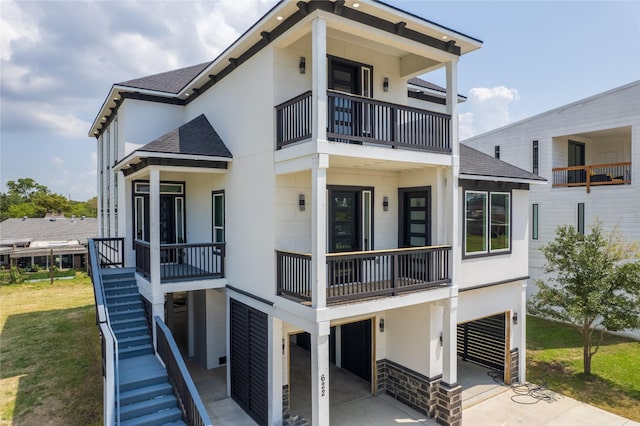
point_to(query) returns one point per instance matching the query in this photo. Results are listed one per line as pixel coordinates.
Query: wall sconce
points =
(381, 325)
(440, 339)
(385, 203)
(515, 318)
(385, 84)
(303, 65)
(301, 202)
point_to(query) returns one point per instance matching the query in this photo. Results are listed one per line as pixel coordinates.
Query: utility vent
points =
(222, 360)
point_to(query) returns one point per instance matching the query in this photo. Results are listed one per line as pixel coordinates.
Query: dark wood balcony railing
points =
(592, 175)
(183, 261)
(357, 120)
(359, 275)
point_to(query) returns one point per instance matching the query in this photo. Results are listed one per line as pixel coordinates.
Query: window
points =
(534, 159)
(139, 223)
(581, 218)
(534, 221)
(496, 151)
(218, 216)
(487, 222)
(366, 220)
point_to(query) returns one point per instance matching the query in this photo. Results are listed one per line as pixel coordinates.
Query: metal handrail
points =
(104, 324)
(188, 396)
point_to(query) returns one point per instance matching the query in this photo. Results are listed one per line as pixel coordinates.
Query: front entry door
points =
(576, 157)
(416, 225)
(344, 228)
(416, 231)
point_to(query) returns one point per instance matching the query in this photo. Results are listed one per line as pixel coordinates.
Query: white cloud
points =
(490, 108)
(57, 161)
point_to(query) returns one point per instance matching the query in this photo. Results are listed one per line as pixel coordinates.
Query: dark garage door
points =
(249, 360)
(356, 348)
(483, 341)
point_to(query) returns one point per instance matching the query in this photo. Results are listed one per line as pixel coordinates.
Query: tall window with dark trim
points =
(534, 157)
(496, 151)
(217, 205)
(534, 221)
(581, 218)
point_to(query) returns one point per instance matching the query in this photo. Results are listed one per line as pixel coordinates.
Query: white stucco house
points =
(304, 190)
(586, 151)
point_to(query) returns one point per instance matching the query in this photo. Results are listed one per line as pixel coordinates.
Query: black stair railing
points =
(188, 397)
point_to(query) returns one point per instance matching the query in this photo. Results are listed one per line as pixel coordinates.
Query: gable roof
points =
(476, 164)
(169, 82)
(40, 229)
(197, 137)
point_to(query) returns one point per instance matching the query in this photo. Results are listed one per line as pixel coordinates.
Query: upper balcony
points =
(360, 120)
(592, 175)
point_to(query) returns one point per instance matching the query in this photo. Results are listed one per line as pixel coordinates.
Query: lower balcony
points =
(182, 261)
(365, 274)
(592, 175)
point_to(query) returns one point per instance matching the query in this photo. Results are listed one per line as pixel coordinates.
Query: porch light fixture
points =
(381, 325)
(385, 203)
(441, 339)
(385, 84)
(303, 65)
(301, 205)
(356, 5)
(515, 318)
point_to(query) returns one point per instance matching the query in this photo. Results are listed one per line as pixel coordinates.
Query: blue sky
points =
(60, 58)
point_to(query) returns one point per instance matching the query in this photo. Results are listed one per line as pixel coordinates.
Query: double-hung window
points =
(487, 222)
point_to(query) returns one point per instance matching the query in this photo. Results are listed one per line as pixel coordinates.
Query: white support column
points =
(276, 350)
(319, 231)
(449, 337)
(154, 228)
(319, 79)
(452, 102)
(522, 344)
(320, 374)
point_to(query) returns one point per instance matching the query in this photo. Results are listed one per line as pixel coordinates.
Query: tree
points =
(26, 188)
(597, 285)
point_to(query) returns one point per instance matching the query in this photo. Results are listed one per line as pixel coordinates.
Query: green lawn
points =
(554, 358)
(49, 354)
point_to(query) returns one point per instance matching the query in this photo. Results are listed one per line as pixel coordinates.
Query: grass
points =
(554, 358)
(50, 354)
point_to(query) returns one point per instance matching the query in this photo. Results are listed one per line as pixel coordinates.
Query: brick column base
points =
(514, 367)
(449, 404)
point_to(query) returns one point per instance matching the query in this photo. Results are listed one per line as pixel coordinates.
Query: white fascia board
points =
(114, 93)
(433, 92)
(502, 179)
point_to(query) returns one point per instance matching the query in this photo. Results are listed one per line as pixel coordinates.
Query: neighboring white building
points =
(292, 192)
(586, 150)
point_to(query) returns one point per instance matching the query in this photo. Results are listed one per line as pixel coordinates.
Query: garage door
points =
(249, 360)
(356, 348)
(483, 341)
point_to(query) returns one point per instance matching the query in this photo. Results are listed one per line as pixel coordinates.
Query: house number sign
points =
(323, 385)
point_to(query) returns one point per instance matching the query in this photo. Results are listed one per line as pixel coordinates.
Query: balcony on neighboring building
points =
(365, 274)
(592, 175)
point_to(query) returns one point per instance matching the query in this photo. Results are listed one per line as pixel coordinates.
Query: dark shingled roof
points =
(474, 162)
(197, 137)
(170, 82)
(426, 84)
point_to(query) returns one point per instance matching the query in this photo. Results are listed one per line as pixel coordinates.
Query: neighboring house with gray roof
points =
(307, 194)
(32, 241)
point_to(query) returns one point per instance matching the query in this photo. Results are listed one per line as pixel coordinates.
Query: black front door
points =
(344, 234)
(415, 217)
(343, 77)
(356, 348)
(415, 232)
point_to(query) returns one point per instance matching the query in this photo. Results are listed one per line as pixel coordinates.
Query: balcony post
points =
(452, 105)
(154, 226)
(319, 79)
(319, 231)
(449, 340)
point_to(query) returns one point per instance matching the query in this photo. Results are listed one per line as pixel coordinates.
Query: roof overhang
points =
(139, 160)
(280, 19)
(540, 181)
